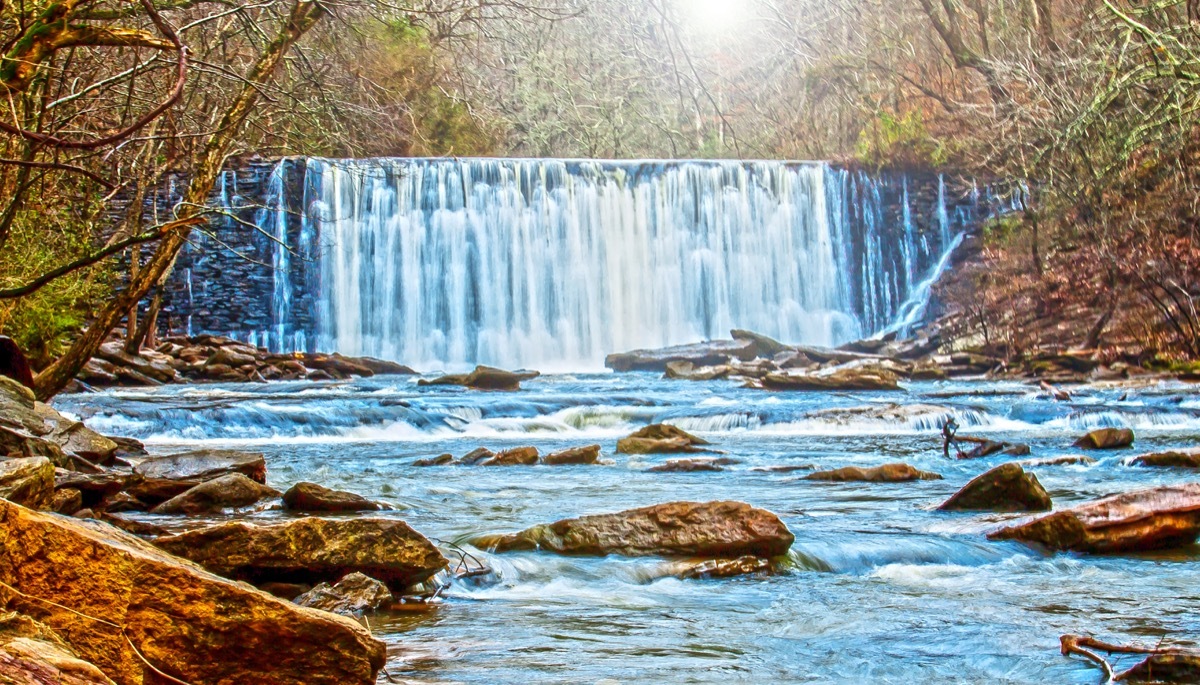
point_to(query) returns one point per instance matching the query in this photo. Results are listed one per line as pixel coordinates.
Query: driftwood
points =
(1162, 665)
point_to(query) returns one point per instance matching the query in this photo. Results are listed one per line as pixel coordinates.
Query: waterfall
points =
(444, 263)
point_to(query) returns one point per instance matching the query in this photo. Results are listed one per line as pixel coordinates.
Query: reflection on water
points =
(880, 587)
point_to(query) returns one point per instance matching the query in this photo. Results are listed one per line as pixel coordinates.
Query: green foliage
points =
(891, 141)
(1000, 230)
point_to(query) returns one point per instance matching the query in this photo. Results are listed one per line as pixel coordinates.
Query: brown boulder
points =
(311, 550)
(688, 465)
(1152, 518)
(1182, 459)
(484, 378)
(711, 353)
(687, 371)
(187, 622)
(313, 497)
(1106, 439)
(95, 487)
(763, 346)
(887, 473)
(476, 455)
(201, 465)
(1005, 488)
(859, 377)
(665, 431)
(227, 492)
(725, 568)
(33, 654)
(589, 454)
(350, 596)
(517, 456)
(703, 529)
(66, 501)
(28, 481)
(656, 446)
(439, 460)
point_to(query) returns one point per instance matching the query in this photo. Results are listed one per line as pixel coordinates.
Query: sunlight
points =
(715, 16)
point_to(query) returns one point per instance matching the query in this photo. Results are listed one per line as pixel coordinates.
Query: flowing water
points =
(879, 589)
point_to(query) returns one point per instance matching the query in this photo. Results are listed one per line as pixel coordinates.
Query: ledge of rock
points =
(350, 596)
(163, 478)
(1152, 518)
(712, 353)
(312, 550)
(589, 454)
(1005, 488)
(28, 481)
(887, 473)
(230, 491)
(33, 654)
(687, 371)
(1182, 459)
(192, 624)
(847, 377)
(484, 378)
(313, 497)
(660, 438)
(694, 529)
(1106, 439)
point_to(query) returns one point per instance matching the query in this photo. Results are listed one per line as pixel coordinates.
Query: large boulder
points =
(227, 492)
(312, 550)
(202, 465)
(1152, 518)
(1005, 488)
(517, 456)
(187, 622)
(846, 377)
(350, 596)
(887, 473)
(696, 529)
(28, 481)
(660, 438)
(313, 497)
(1106, 439)
(763, 346)
(712, 353)
(1180, 459)
(588, 454)
(159, 371)
(33, 654)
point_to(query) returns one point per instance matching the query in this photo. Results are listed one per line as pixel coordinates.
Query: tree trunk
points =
(304, 15)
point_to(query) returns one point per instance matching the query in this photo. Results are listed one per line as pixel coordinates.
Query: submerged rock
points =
(484, 378)
(227, 492)
(28, 481)
(517, 456)
(848, 377)
(311, 550)
(1005, 488)
(1152, 518)
(688, 465)
(476, 455)
(313, 497)
(1183, 459)
(1106, 439)
(350, 596)
(1065, 460)
(197, 626)
(725, 568)
(887, 473)
(695, 529)
(589, 454)
(439, 460)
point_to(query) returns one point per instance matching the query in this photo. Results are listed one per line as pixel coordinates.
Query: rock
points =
(13, 363)
(1152, 518)
(763, 346)
(186, 621)
(665, 431)
(201, 465)
(74, 437)
(1106, 439)
(476, 455)
(229, 357)
(139, 528)
(158, 372)
(725, 568)
(95, 487)
(1182, 667)
(485, 378)
(687, 371)
(439, 460)
(313, 497)
(696, 529)
(589, 454)
(227, 492)
(33, 654)
(517, 456)
(838, 378)
(288, 591)
(123, 501)
(687, 466)
(66, 501)
(712, 353)
(887, 473)
(312, 550)
(1183, 459)
(382, 367)
(1005, 488)
(784, 468)
(350, 596)
(1064, 460)
(98, 372)
(656, 446)
(28, 481)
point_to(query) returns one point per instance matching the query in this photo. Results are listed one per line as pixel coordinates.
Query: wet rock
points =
(753, 369)
(726, 568)
(784, 468)
(95, 487)
(763, 346)
(33, 654)
(517, 456)
(712, 353)
(383, 367)
(1181, 459)
(351, 596)
(1106, 439)
(288, 591)
(1152, 518)
(13, 363)
(439, 460)
(983, 447)
(476, 455)
(156, 371)
(1005, 488)
(485, 378)
(202, 465)
(1182, 668)
(665, 431)
(656, 446)
(229, 357)
(312, 550)
(687, 465)
(28, 481)
(133, 526)
(916, 415)
(195, 625)
(687, 371)
(66, 501)
(227, 492)
(589, 454)
(1065, 460)
(838, 378)
(122, 502)
(313, 497)
(887, 473)
(696, 529)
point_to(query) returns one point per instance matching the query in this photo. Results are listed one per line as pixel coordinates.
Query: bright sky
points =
(715, 16)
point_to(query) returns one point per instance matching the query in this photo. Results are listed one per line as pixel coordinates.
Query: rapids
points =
(880, 587)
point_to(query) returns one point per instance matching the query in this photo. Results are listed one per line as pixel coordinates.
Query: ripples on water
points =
(881, 588)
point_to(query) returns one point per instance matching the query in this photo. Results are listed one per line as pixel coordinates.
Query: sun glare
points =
(714, 16)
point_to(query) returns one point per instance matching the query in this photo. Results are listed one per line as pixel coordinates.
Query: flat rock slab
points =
(1180, 459)
(312, 550)
(837, 378)
(227, 492)
(712, 353)
(688, 465)
(188, 622)
(313, 497)
(1153, 518)
(589, 454)
(887, 473)
(1106, 439)
(696, 529)
(350, 596)
(1005, 488)
(202, 465)
(28, 481)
